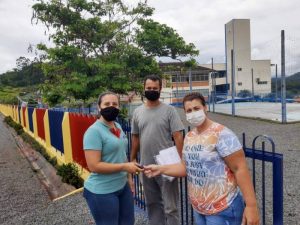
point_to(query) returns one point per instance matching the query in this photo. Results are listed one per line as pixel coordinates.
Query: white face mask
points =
(196, 118)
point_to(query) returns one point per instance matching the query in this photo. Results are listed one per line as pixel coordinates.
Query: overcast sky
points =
(198, 21)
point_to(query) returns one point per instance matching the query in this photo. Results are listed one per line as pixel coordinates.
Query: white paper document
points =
(166, 157)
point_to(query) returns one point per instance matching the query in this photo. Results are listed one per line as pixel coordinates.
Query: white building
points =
(252, 75)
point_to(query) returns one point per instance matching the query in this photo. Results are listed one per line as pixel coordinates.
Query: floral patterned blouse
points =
(211, 184)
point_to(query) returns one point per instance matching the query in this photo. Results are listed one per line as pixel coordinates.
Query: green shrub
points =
(70, 174)
(27, 138)
(7, 119)
(53, 161)
(17, 127)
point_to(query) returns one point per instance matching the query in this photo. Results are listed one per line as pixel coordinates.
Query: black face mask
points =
(152, 95)
(110, 113)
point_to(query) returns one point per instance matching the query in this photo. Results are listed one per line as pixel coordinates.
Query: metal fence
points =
(261, 105)
(273, 182)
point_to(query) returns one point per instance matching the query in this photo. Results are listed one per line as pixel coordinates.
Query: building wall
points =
(261, 76)
(179, 80)
(217, 66)
(237, 36)
(237, 33)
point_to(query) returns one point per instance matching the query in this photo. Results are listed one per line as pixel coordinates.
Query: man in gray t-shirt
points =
(154, 124)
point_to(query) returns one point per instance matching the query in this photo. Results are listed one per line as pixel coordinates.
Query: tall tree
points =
(100, 45)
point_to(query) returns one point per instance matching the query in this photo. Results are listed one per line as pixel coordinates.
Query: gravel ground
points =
(23, 200)
(287, 142)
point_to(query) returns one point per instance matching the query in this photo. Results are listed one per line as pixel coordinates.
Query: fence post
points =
(278, 191)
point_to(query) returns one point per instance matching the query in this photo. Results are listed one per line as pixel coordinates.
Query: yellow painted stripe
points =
(21, 116)
(66, 132)
(35, 127)
(70, 193)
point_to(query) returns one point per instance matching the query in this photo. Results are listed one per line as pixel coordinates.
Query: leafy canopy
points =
(102, 45)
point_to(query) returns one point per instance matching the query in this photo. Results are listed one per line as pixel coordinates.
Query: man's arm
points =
(178, 139)
(135, 145)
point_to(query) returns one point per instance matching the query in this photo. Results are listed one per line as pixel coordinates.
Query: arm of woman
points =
(174, 170)
(94, 163)
(238, 165)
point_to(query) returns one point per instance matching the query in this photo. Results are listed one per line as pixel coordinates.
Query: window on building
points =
(182, 93)
(185, 78)
(263, 82)
(258, 81)
(239, 69)
(174, 78)
(240, 83)
(221, 73)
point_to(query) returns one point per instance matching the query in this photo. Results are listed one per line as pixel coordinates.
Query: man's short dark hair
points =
(192, 96)
(153, 77)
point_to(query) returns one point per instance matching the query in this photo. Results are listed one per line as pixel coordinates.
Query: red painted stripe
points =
(40, 122)
(79, 123)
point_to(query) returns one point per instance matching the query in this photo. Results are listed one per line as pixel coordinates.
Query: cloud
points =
(202, 22)
(199, 22)
(17, 32)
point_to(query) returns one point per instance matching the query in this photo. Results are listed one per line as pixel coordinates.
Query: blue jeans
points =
(111, 209)
(230, 216)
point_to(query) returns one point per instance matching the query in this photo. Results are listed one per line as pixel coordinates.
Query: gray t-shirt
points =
(155, 127)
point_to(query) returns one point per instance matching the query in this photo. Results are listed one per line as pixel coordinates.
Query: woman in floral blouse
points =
(219, 184)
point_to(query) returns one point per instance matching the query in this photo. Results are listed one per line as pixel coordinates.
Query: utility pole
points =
(209, 96)
(276, 88)
(283, 87)
(177, 87)
(213, 83)
(190, 80)
(232, 84)
(252, 83)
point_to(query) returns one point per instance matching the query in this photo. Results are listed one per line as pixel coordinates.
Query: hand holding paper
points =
(166, 157)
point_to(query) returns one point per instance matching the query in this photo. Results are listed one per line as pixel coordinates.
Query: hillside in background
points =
(292, 85)
(295, 77)
(26, 76)
(21, 82)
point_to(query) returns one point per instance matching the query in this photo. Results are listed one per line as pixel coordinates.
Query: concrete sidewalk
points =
(25, 201)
